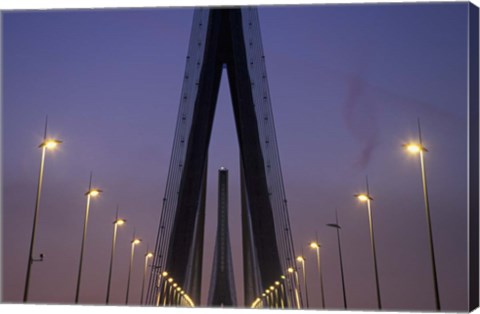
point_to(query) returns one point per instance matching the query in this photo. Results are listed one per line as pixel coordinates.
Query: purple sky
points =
(347, 84)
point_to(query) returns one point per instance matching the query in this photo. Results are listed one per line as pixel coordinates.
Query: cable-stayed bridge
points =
(225, 39)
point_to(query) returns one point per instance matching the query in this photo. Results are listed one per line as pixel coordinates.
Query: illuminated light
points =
(414, 148)
(300, 259)
(362, 197)
(272, 288)
(282, 276)
(314, 245)
(264, 295)
(136, 241)
(182, 292)
(164, 274)
(94, 192)
(179, 289)
(119, 222)
(277, 283)
(290, 270)
(170, 280)
(267, 291)
(51, 144)
(149, 255)
(175, 285)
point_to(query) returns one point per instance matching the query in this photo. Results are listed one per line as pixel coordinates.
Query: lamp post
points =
(316, 246)
(293, 272)
(89, 194)
(418, 148)
(161, 278)
(161, 293)
(269, 300)
(337, 227)
(178, 296)
(182, 293)
(367, 198)
(173, 289)
(117, 222)
(274, 297)
(281, 296)
(147, 256)
(46, 144)
(134, 242)
(166, 299)
(301, 260)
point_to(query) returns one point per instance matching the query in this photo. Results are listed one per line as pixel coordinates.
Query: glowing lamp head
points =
(314, 245)
(50, 143)
(414, 148)
(363, 197)
(282, 277)
(272, 288)
(120, 222)
(277, 283)
(170, 280)
(290, 270)
(182, 292)
(175, 284)
(136, 241)
(300, 259)
(93, 192)
(267, 291)
(149, 255)
(263, 294)
(179, 289)
(164, 274)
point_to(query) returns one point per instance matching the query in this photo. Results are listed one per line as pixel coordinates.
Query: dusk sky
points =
(347, 84)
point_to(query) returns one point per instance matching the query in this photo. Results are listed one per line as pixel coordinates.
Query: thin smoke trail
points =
(360, 116)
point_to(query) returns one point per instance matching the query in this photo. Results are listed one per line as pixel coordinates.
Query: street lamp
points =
(269, 300)
(167, 299)
(147, 256)
(264, 295)
(117, 222)
(365, 197)
(274, 293)
(134, 242)
(162, 293)
(294, 273)
(161, 277)
(172, 293)
(178, 295)
(418, 148)
(281, 297)
(89, 194)
(337, 226)
(182, 293)
(46, 144)
(316, 246)
(301, 260)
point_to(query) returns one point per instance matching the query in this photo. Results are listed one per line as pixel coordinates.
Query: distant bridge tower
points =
(222, 283)
(224, 39)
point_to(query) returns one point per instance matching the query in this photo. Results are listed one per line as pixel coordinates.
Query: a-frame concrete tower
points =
(225, 39)
(222, 282)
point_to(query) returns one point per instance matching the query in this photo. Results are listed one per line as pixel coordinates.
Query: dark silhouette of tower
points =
(222, 283)
(224, 39)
